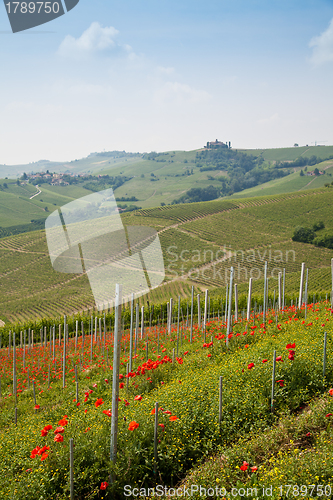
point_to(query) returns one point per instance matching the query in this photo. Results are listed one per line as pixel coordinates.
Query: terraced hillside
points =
(200, 242)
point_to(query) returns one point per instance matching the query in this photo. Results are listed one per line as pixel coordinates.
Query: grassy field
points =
(259, 440)
(200, 242)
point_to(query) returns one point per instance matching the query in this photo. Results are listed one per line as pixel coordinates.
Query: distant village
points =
(60, 179)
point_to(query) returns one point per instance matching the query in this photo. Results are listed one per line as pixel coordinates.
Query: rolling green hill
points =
(200, 242)
(155, 179)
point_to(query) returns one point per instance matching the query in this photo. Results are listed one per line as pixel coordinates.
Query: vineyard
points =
(187, 393)
(199, 241)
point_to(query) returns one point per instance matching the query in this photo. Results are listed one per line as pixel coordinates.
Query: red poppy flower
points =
(108, 413)
(99, 402)
(35, 452)
(173, 418)
(251, 365)
(308, 434)
(254, 469)
(36, 406)
(138, 398)
(58, 438)
(162, 425)
(331, 392)
(44, 456)
(264, 360)
(244, 467)
(281, 382)
(48, 427)
(104, 485)
(133, 425)
(59, 430)
(279, 358)
(63, 421)
(126, 402)
(329, 415)
(121, 385)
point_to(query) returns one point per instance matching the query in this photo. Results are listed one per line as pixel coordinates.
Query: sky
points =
(147, 75)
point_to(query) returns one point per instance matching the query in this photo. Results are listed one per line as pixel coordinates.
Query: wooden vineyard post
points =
(226, 305)
(104, 332)
(283, 286)
(155, 437)
(279, 289)
(324, 354)
(220, 400)
(142, 321)
(14, 369)
(77, 385)
(71, 467)
(236, 303)
(127, 377)
(91, 338)
(306, 293)
(199, 311)
(191, 331)
(53, 342)
(170, 316)
(332, 276)
(273, 382)
(178, 323)
(115, 381)
(248, 312)
(131, 334)
(64, 357)
(229, 305)
(136, 327)
(205, 314)
(24, 351)
(300, 300)
(76, 333)
(265, 293)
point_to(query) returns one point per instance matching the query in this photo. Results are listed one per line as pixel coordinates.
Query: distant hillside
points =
(200, 242)
(156, 179)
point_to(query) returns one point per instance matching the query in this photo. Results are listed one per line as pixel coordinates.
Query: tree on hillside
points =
(303, 234)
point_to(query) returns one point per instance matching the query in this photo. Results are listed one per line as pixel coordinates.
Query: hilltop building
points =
(218, 144)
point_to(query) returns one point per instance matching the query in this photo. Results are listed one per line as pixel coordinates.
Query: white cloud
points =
(322, 46)
(94, 39)
(179, 93)
(165, 71)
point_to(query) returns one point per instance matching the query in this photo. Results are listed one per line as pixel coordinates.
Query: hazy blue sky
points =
(143, 75)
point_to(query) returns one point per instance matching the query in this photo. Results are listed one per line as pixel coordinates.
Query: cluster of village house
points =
(54, 179)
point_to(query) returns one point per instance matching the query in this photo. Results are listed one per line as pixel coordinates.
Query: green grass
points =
(248, 430)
